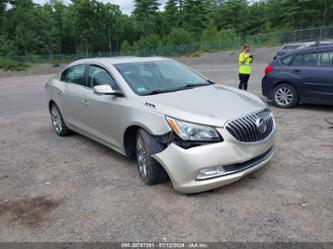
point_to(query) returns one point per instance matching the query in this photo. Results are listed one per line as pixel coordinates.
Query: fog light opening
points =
(210, 173)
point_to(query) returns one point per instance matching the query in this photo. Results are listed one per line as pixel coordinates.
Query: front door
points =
(317, 76)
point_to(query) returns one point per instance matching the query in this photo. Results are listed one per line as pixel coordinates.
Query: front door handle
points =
(296, 71)
(85, 102)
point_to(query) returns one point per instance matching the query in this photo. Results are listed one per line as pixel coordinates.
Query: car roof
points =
(308, 49)
(119, 59)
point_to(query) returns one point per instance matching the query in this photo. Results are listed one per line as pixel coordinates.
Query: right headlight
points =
(188, 131)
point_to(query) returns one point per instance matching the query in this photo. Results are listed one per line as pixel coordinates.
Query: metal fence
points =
(259, 40)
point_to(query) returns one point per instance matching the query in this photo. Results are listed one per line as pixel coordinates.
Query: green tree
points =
(31, 28)
(195, 15)
(178, 36)
(232, 14)
(145, 12)
(125, 47)
(173, 13)
(7, 47)
(210, 33)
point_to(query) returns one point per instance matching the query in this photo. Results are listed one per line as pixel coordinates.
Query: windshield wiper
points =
(188, 86)
(193, 85)
(158, 91)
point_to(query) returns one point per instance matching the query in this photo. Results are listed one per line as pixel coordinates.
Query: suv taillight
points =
(268, 69)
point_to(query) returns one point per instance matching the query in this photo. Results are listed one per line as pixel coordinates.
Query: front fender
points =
(141, 116)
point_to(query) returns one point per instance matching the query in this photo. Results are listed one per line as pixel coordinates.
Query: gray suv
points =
(174, 121)
(303, 76)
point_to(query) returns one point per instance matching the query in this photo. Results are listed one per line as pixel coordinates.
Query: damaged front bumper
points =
(226, 162)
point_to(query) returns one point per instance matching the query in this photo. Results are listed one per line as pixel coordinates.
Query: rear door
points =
(317, 77)
(74, 79)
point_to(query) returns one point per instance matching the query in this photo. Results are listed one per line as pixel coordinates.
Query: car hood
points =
(212, 105)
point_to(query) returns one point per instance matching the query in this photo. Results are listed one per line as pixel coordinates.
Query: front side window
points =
(99, 76)
(74, 75)
(156, 77)
(326, 58)
(311, 60)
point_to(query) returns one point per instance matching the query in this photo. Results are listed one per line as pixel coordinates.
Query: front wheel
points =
(150, 171)
(285, 96)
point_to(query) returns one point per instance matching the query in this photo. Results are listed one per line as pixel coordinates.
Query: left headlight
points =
(193, 132)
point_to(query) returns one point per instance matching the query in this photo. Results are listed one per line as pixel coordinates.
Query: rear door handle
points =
(85, 102)
(60, 93)
(296, 71)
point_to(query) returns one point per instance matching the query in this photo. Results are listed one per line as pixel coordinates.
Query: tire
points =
(57, 121)
(150, 171)
(285, 96)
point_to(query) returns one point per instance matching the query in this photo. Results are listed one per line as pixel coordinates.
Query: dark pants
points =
(243, 79)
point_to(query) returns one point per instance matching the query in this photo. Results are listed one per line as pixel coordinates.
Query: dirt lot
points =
(73, 189)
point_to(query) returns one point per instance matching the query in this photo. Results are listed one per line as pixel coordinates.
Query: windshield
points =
(155, 77)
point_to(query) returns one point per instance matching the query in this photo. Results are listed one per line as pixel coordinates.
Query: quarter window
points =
(286, 60)
(74, 75)
(99, 76)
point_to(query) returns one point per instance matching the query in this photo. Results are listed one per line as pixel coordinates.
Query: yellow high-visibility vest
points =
(245, 68)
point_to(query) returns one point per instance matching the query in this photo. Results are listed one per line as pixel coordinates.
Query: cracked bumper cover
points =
(184, 165)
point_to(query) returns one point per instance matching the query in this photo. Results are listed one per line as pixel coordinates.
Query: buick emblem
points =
(261, 125)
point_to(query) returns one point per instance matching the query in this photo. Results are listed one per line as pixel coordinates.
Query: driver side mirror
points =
(104, 90)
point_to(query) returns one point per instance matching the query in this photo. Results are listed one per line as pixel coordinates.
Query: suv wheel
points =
(285, 96)
(58, 123)
(150, 171)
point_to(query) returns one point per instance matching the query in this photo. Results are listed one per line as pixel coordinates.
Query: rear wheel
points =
(150, 171)
(285, 96)
(58, 123)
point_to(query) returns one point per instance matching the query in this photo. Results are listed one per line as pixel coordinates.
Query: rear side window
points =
(297, 61)
(74, 75)
(99, 76)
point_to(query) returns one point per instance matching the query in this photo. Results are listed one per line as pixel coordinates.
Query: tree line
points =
(89, 26)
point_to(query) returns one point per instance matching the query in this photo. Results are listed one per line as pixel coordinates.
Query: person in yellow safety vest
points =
(245, 68)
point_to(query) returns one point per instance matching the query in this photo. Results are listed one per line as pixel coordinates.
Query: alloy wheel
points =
(284, 96)
(56, 119)
(141, 157)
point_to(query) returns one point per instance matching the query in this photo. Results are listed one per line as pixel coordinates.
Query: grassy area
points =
(9, 65)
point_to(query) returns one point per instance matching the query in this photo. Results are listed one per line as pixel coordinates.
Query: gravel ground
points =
(74, 189)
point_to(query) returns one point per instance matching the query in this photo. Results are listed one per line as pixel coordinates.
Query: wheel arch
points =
(130, 136)
(51, 101)
(129, 140)
(293, 84)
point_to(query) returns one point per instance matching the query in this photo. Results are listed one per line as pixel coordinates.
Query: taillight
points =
(268, 69)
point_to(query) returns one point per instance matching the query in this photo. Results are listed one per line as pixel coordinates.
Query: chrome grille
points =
(253, 127)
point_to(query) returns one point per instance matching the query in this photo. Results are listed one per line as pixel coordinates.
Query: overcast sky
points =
(126, 6)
